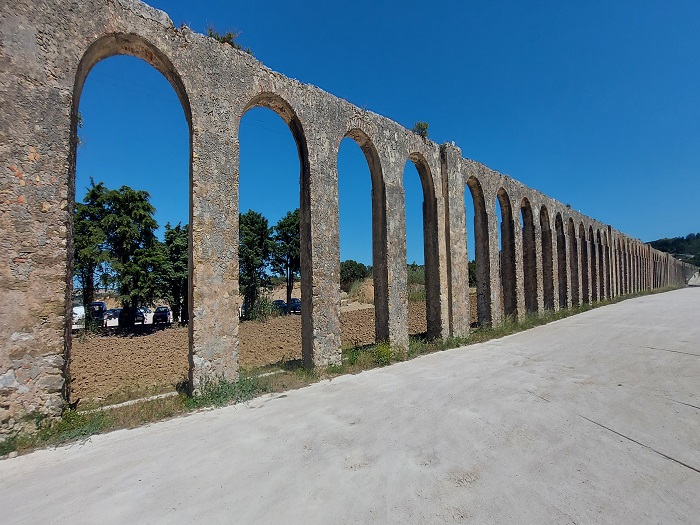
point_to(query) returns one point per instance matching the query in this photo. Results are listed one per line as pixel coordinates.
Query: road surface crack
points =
(642, 444)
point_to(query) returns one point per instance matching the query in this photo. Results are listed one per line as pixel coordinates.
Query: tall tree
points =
(89, 253)
(254, 249)
(129, 228)
(286, 260)
(177, 270)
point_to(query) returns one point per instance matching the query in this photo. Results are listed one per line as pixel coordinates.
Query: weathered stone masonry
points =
(556, 259)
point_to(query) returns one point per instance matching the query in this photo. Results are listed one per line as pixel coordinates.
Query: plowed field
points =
(104, 365)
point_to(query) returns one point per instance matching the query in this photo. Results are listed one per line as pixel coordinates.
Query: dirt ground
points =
(129, 366)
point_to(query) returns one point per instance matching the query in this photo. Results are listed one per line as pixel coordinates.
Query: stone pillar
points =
(539, 275)
(214, 243)
(579, 251)
(569, 264)
(456, 242)
(591, 268)
(494, 260)
(320, 257)
(612, 265)
(601, 270)
(519, 261)
(38, 188)
(440, 300)
(397, 306)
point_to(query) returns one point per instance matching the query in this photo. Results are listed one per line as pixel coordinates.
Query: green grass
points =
(221, 392)
(76, 425)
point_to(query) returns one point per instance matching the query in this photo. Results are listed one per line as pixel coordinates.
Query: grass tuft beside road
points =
(79, 425)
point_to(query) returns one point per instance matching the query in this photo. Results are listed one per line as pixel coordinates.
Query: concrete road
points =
(593, 419)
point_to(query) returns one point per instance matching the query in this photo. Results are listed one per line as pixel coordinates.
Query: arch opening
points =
(360, 176)
(585, 274)
(145, 224)
(481, 251)
(271, 241)
(547, 260)
(529, 257)
(416, 168)
(561, 262)
(602, 265)
(574, 264)
(507, 238)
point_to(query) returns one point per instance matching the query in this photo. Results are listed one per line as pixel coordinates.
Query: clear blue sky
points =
(595, 104)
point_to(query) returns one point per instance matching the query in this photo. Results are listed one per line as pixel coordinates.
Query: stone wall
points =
(47, 49)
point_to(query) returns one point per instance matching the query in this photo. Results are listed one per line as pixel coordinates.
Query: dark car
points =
(110, 315)
(280, 305)
(162, 315)
(295, 305)
(96, 311)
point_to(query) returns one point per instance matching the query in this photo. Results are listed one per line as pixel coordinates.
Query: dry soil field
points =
(156, 360)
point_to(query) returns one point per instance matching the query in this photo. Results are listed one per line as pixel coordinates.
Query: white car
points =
(78, 318)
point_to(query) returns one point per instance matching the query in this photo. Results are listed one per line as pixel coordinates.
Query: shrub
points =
(421, 128)
(263, 310)
(381, 354)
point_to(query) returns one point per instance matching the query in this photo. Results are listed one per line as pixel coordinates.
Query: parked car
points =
(144, 315)
(78, 318)
(111, 317)
(96, 311)
(295, 305)
(162, 315)
(280, 305)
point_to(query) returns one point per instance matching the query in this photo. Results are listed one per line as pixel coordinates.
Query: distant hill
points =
(686, 248)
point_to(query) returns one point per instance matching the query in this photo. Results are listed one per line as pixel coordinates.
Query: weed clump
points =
(381, 354)
(223, 392)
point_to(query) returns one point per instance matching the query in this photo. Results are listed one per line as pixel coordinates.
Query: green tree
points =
(472, 273)
(89, 253)
(255, 247)
(176, 272)
(285, 260)
(135, 255)
(351, 271)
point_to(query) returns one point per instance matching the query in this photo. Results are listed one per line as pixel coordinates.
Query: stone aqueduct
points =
(554, 258)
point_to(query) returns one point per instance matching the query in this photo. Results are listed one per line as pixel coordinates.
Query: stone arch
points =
(529, 256)
(594, 264)
(481, 252)
(379, 233)
(585, 277)
(508, 279)
(430, 246)
(110, 45)
(278, 104)
(547, 260)
(561, 262)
